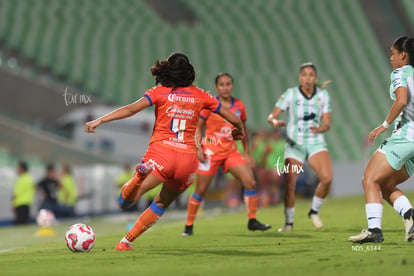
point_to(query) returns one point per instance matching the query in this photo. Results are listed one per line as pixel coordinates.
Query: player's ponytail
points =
(175, 71)
(322, 84)
(409, 49)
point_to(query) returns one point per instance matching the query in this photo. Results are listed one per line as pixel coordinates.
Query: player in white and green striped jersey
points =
(309, 116)
(304, 112)
(393, 162)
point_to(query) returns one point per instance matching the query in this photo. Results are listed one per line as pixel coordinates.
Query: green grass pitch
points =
(221, 245)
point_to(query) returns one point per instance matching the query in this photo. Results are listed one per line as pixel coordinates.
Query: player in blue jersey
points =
(309, 116)
(393, 162)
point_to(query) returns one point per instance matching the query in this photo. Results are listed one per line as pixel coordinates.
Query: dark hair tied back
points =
(175, 71)
(398, 43)
(409, 49)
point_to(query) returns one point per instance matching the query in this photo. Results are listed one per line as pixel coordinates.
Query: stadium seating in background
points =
(108, 49)
(409, 9)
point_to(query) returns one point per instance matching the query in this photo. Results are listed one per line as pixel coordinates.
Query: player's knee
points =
(290, 187)
(200, 192)
(326, 180)
(368, 180)
(249, 183)
(364, 181)
(161, 204)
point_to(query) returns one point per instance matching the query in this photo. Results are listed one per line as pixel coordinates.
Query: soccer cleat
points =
(254, 225)
(315, 219)
(409, 225)
(370, 235)
(124, 205)
(143, 169)
(286, 228)
(188, 231)
(123, 246)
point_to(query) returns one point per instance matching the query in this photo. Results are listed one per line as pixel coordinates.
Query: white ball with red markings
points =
(45, 218)
(80, 238)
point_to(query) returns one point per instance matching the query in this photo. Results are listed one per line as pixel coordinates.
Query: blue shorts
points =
(399, 152)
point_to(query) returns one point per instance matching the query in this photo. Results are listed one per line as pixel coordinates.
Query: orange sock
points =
(147, 219)
(250, 200)
(193, 205)
(130, 189)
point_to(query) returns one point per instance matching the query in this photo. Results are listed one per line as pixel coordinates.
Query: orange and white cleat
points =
(123, 246)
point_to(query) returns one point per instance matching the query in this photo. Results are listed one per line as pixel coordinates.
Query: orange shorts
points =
(176, 169)
(229, 161)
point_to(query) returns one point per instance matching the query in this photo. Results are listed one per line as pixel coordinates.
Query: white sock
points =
(289, 214)
(317, 203)
(402, 205)
(126, 241)
(374, 215)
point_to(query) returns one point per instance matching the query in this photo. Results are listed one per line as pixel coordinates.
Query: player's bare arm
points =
(199, 140)
(237, 133)
(325, 126)
(398, 106)
(117, 114)
(272, 119)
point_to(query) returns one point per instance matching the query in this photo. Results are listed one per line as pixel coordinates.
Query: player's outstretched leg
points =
(148, 218)
(399, 201)
(403, 207)
(127, 197)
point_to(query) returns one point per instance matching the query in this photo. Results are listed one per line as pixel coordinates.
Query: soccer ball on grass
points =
(80, 238)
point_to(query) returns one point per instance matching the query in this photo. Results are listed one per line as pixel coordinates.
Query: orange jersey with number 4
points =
(218, 138)
(177, 113)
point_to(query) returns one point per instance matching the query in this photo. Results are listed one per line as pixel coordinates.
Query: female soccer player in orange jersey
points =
(219, 149)
(171, 157)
